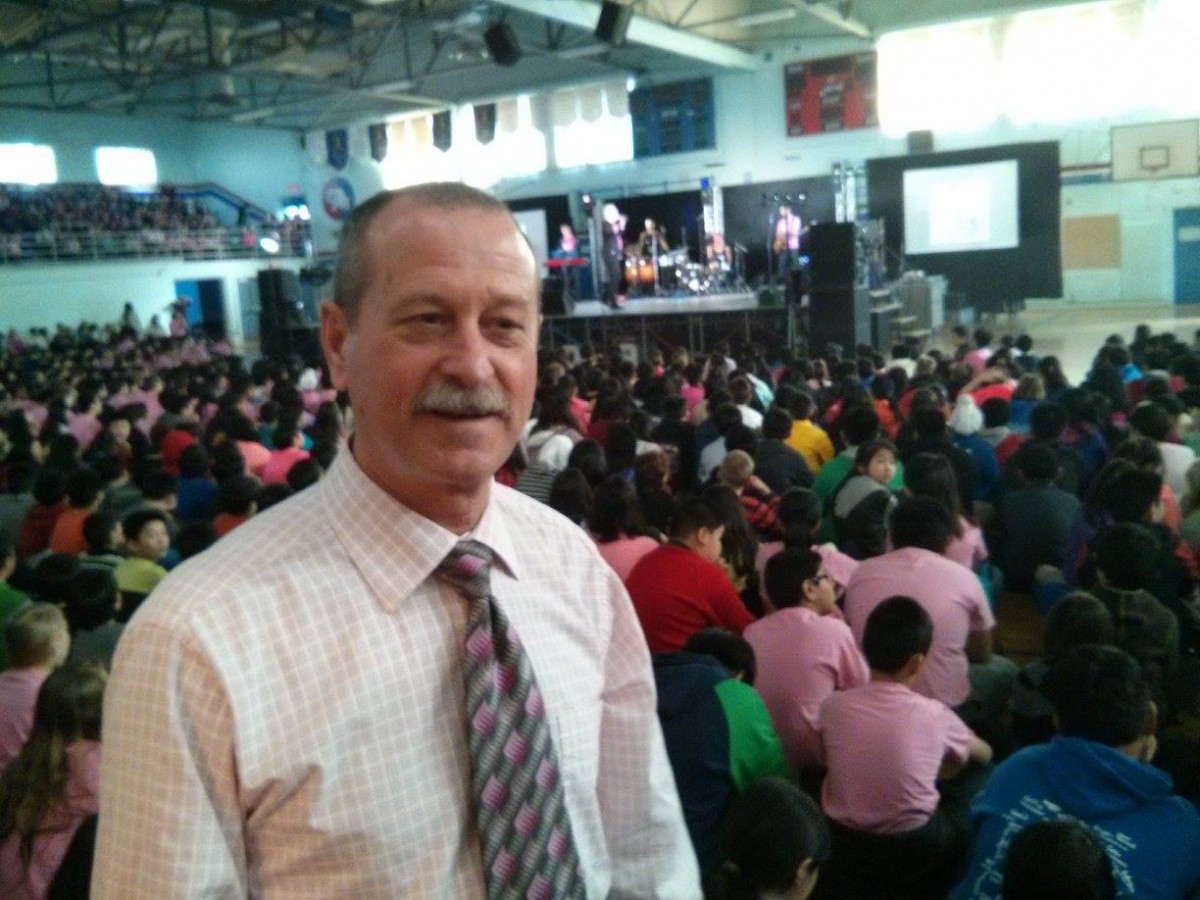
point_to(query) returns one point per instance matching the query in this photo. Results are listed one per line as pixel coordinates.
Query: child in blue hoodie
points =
(1096, 770)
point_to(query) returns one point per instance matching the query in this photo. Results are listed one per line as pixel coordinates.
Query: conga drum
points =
(645, 272)
(631, 272)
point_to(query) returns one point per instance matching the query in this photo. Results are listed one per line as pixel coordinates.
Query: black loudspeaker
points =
(212, 309)
(278, 311)
(920, 141)
(502, 44)
(554, 301)
(614, 22)
(831, 254)
(838, 315)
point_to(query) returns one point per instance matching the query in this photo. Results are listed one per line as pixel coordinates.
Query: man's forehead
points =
(404, 225)
(412, 215)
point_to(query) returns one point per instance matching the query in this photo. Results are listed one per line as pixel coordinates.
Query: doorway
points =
(206, 313)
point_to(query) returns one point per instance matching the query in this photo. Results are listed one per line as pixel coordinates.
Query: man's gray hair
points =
(353, 266)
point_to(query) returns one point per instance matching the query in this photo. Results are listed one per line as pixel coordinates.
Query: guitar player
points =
(789, 229)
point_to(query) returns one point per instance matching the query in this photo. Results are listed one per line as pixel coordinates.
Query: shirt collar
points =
(395, 548)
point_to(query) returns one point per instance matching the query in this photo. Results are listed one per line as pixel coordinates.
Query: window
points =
(673, 118)
(27, 164)
(126, 166)
(517, 149)
(592, 125)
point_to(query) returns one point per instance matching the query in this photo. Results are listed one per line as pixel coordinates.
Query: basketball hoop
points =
(1153, 159)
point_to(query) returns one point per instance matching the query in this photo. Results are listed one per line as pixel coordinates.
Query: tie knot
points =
(468, 567)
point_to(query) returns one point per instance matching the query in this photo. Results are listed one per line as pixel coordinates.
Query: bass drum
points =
(645, 271)
(718, 273)
(631, 272)
(668, 274)
(694, 278)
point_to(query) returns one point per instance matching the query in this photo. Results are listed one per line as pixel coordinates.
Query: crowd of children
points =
(837, 533)
(815, 548)
(91, 219)
(121, 455)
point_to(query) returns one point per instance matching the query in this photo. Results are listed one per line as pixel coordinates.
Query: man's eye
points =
(429, 318)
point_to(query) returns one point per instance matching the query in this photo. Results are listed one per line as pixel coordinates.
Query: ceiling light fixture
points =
(782, 14)
(582, 51)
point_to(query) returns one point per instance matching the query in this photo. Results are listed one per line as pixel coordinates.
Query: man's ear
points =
(335, 332)
(806, 878)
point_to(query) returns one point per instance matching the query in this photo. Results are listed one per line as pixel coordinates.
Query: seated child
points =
(804, 652)
(50, 494)
(288, 441)
(11, 599)
(195, 538)
(717, 732)
(1126, 558)
(1097, 769)
(196, 492)
(237, 500)
(105, 535)
(886, 747)
(37, 641)
(52, 788)
(775, 842)
(800, 519)
(1058, 859)
(1075, 620)
(861, 504)
(85, 490)
(146, 541)
(92, 595)
(759, 503)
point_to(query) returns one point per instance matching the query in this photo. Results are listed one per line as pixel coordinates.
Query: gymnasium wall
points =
(752, 149)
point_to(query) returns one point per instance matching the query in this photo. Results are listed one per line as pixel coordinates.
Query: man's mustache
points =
(451, 400)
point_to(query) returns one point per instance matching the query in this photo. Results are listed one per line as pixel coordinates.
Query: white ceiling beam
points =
(642, 30)
(827, 13)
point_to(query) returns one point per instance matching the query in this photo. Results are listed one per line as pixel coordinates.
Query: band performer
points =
(568, 242)
(789, 228)
(653, 239)
(612, 249)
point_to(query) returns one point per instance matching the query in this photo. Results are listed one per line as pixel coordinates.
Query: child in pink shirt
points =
(53, 786)
(37, 642)
(884, 744)
(886, 747)
(804, 652)
(617, 526)
(931, 475)
(799, 516)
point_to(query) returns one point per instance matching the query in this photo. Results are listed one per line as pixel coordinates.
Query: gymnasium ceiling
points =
(306, 64)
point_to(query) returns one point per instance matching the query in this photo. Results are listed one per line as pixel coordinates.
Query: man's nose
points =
(468, 356)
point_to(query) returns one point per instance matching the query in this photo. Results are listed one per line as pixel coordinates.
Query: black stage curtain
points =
(680, 213)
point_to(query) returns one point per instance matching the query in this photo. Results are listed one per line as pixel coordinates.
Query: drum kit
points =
(674, 274)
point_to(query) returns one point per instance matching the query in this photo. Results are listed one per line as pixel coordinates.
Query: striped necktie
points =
(524, 828)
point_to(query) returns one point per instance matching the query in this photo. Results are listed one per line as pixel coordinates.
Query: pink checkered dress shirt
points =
(285, 716)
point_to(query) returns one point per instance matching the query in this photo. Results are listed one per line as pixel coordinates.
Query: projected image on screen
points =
(959, 208)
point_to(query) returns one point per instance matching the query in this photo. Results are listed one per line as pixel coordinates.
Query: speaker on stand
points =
(279, 313)
(838, 309)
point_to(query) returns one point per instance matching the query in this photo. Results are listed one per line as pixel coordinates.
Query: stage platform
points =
(690, 304)
(665, 323)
